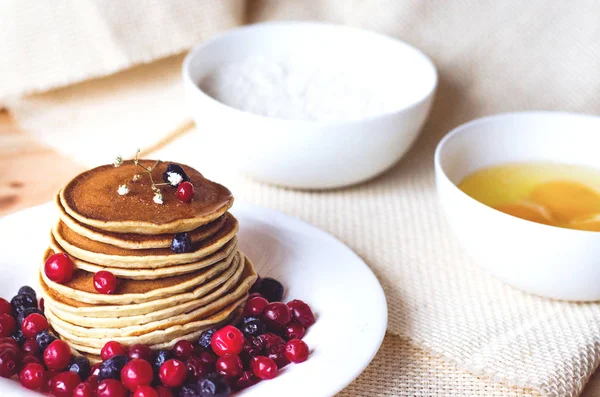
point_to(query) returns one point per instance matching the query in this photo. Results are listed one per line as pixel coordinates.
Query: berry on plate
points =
(227, 340)
(57, 355)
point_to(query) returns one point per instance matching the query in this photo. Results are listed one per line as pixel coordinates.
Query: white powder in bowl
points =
(295, 90)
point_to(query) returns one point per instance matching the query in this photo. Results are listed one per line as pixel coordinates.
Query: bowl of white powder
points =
(308, 105)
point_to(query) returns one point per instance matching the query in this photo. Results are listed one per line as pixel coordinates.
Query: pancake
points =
(152, 274)
(91, 198)
(133, 240)
(109, 255)
(242, 276)
(203, 312)
(157, 337)
(80, 288)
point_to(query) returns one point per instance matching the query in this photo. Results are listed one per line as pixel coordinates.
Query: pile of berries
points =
(232, 358)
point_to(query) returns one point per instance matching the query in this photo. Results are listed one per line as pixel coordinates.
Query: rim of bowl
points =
(379, 36)
(441, 173)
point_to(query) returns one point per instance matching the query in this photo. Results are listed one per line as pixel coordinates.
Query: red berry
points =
(85, 389)
(246, 380)
(33, 376)
(8, 342)
(30, 358)
(183, 349)
(295, 331)
(136, 373)
(172, 373)
(145, 391)
(105, 282)
(296, 351)
(208, 357)
(111, 388)
(263, 367)
(227, 340)
(42, 304)
(164, 391)
(95, 370)
(139, 350)
(277, 315)
(29, 346)
(112, 349)
(255, 306)
(185, 192)
(57, 355)
(10, 360)
(5, 307)
(229, 365)
(59, 268)
(65, 383)
(8, 325)
(33, 325)
(302, 313)
(196, 368)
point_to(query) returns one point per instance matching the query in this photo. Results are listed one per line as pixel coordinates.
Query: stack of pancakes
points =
(162, 296)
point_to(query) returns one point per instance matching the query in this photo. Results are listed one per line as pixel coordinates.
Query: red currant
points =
(30, 358)
(57, 355)
(136, 373)
(10, 361)
(111, 388)
(246, 380)
(8, 325)
(42, 304)
(145, 391)
(196, 368)
(296, 351)
(295, 331)
(112, 349)
(183, 349)
(185, 192)
(277, 315)
(85, 389)
(105, 282)
(33, 325)
(95, 370)
(164, 391)
(33, 376)
(229, 365)
(30, 347)
(302, 313)
(227, 340)
(59, 268)
(64, 384)
(255, 306)
(172, 373)
(5, 307)
(8, 342)
(140, 351)
(263, 367)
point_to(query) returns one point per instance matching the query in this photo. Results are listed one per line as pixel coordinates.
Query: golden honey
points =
(562, 195)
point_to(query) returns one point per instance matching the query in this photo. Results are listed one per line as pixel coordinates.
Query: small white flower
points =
(118, 161)
(136, 177)
(158, 197)
(123, 190)
(174, 178)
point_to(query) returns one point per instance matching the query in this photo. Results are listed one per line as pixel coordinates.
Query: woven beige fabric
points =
(492, 57)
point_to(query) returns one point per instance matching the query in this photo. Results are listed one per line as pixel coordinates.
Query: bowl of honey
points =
(521, 192)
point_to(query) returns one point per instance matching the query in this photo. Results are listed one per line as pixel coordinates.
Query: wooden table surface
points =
(32, 173)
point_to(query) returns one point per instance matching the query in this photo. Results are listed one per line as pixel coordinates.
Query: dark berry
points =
(206, 338)
(190, 390)
(294, 331)
(208, 357)
(64, 384)
(22, 302)
(20, 338)
(183, 349)
(185, 192)
(105, 282)
(227, 340)
(213, 385)
(57, 355)
(111, 368)
(10, 360)
(44, 339)
(5, 307)
(33, 376)
(252, 347)
(253, 326)
(277, 315)
(33, 324)
(255, 306)
(161, 357)
(181, 243)
(277, 354)
(172, 373)
(302, 313)
(270, 339)
(142, 351)
(263, 367)
(59, 268)
(8, 325)
(111, 349)
(177, 169)
(197, 368)
(27, 290)
(26, 312)
(81, 366)
(270, 288)
(246, 380)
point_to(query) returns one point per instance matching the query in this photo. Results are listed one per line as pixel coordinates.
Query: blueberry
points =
(270, 288)
(161, 357)
(26, 312)
(111, 368)
(190, 390)
(213, 385)
(181, 243)
(27, 290)
(174, 168)
(43, 339)
(81, 366)
(23, 301)
(19, 337)
(252, 326)
(206, 338)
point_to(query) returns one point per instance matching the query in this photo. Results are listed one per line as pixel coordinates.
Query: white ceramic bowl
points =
(545, 260)
(310, 154)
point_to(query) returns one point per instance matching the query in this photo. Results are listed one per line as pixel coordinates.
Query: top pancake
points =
(92, 199)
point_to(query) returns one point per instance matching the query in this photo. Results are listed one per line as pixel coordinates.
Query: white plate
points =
(346, 297)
